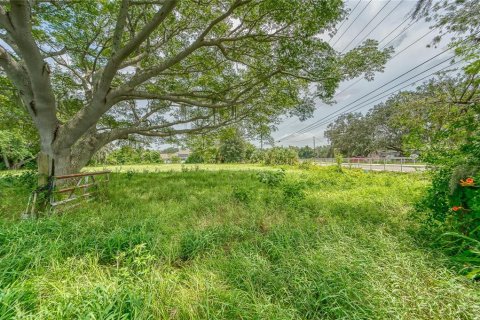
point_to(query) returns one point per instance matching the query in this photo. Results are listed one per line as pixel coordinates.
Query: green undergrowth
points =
(299, 244)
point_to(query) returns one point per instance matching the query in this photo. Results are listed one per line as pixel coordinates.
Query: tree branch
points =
(55, 53)
(121, 20)
(19, 77)
(43, 101)
(89, 115)
(199, 42)
(5, 21)
(120, 55)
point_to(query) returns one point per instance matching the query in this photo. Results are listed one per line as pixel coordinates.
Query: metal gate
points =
(65, 192)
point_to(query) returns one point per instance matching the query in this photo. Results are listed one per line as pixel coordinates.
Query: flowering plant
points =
(468, 182)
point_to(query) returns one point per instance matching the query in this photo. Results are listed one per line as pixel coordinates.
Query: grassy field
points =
(231, 244)
(179, 167)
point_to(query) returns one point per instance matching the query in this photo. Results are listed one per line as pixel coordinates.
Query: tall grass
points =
(318, 244)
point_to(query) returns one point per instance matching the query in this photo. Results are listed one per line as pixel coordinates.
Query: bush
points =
(129, 155)
(26, 179)
(194, 158)
(281, 156)
(258, 156)
(271, 178)
(175, 159)
(453, 203)
(232, 148)
(293, 192)
(306, 165)
(452, 200)
(242, 195)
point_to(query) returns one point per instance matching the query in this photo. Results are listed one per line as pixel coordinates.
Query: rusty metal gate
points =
(65, 192)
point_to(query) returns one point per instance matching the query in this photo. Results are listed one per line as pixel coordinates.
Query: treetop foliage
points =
(91, 72)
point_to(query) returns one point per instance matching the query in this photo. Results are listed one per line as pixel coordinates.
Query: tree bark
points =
(5, 160)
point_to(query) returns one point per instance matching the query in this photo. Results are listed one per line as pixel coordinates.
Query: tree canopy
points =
(92, 72)
(433, 119)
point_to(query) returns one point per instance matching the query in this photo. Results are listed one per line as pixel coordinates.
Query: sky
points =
(363, 90)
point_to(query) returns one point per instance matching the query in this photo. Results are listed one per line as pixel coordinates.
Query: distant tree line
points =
(410, 121)
(126, 155)
(307, 152)
(230, 145)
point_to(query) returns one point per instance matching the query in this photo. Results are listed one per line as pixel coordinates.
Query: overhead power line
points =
(324, 120)
(401, 32)
(397, 54)
(394, 56)
(328, 118)
(395, 29)
(365, 27)
(380, 22)
(382, 86)
(352, 22)
(411, 44)
(346, 18)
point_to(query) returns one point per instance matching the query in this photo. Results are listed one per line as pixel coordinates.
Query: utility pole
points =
(314, 151)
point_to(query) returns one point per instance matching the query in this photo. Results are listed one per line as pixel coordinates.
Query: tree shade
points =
(91, 72)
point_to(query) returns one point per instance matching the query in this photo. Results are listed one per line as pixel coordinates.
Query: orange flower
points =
(467, 182)
(456, 208)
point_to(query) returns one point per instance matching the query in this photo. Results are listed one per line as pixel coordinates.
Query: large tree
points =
(351, 135)
(91, 72)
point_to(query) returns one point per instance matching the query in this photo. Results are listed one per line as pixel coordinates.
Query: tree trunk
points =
(62, 163)
(45, 165)
(56, 159)
(56, 164)
(5, 160)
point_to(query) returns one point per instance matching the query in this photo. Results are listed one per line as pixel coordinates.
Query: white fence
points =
(400, 164)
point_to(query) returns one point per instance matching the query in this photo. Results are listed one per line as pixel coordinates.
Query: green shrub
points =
(242, 195)
(306, 165)
(293, 192)
(26, 179)
(258, 156)
(175, 159)
(195, 157)
(271, 178)
(452, 204)
(281, 156)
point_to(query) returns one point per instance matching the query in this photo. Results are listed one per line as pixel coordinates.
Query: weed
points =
(293, 192)
(182, 245)
(306, 165)
(242, 195)
(271, 178)
(130, 174)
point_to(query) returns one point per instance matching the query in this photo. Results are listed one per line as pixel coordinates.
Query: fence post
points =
(401, 165)
(384, 164)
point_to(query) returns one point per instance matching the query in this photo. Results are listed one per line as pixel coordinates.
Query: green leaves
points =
(147, 67)
(364, 59)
